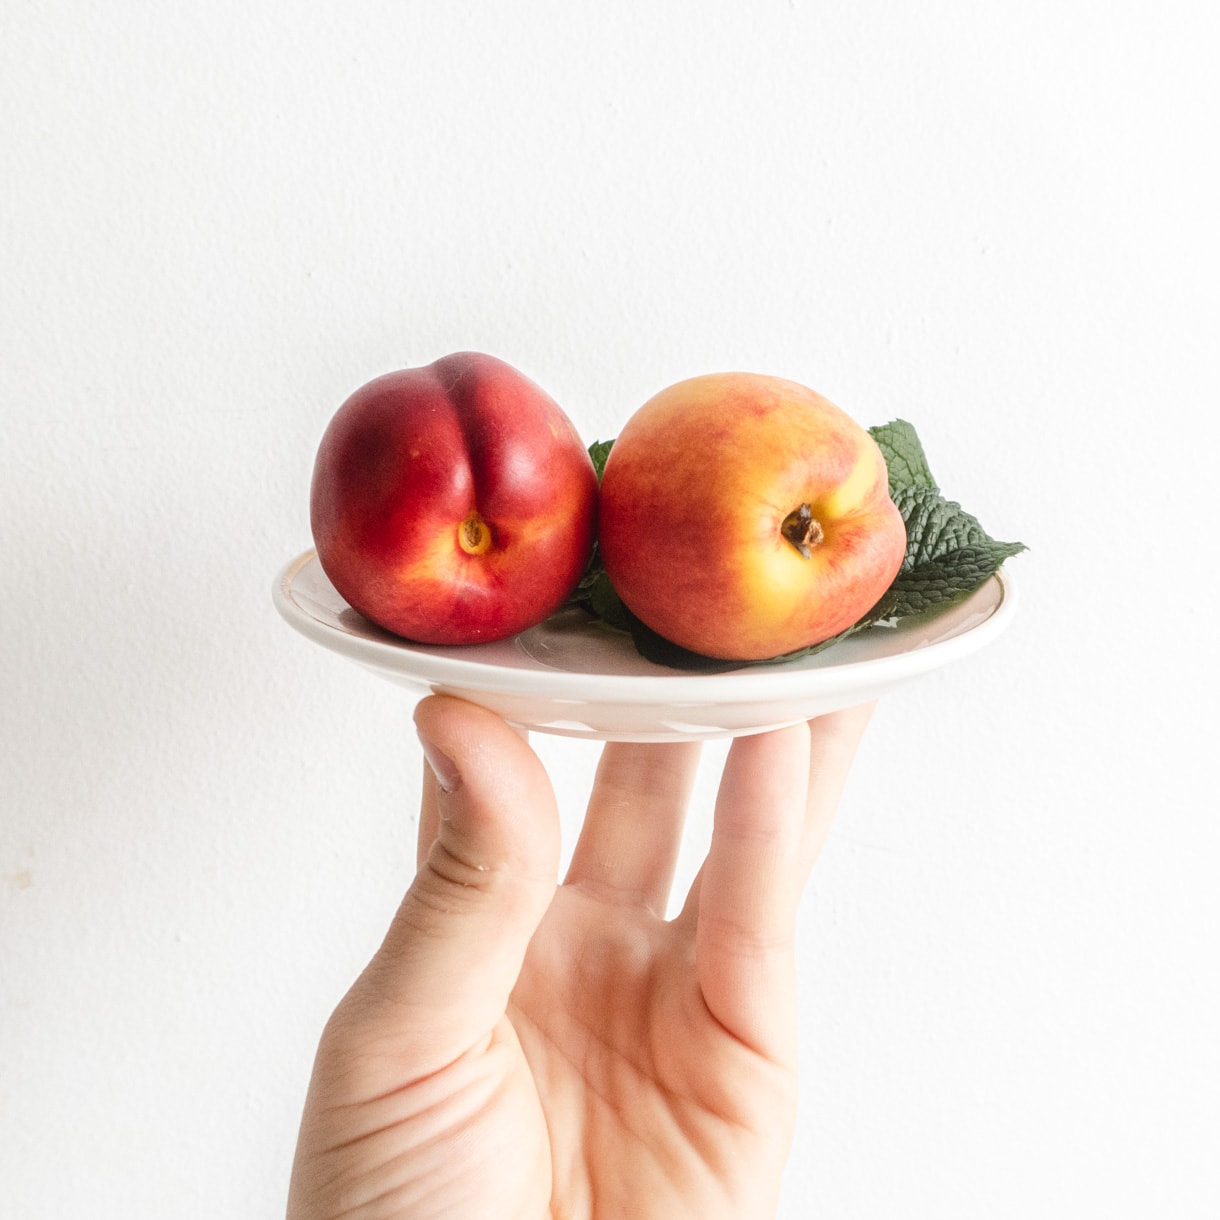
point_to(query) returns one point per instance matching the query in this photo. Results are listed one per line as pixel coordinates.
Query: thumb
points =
(455, 948)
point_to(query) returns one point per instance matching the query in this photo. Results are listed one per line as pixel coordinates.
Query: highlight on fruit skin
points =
(454, 503)
(745, 516)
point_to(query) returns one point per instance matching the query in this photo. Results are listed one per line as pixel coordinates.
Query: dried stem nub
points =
(802, 529)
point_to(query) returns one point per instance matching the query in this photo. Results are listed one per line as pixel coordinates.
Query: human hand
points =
(520, 1050)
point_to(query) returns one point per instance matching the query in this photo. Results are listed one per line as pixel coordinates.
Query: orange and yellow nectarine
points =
(744, 517)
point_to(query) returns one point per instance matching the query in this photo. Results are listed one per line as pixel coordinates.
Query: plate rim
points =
(749, 684)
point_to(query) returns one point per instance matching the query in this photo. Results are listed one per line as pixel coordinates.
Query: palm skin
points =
(519, 1050)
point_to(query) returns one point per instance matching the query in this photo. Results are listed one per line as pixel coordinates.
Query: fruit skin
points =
(694, 499)
(453, 503)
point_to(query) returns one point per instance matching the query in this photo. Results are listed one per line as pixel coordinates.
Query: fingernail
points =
(443, 767)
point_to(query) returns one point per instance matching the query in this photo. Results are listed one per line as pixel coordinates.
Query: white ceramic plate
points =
(574, 677)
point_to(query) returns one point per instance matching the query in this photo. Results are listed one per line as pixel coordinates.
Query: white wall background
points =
(997, 220)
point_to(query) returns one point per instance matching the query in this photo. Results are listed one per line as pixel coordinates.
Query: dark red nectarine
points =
(454, 503)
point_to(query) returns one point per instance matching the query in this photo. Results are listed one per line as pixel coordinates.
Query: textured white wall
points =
(997, 220)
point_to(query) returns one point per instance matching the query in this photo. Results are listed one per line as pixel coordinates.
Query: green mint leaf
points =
(904, 456)
(606, 603)
(936, 584)
(948, 556)
(936, 528)
(599, 451)
(594, 593)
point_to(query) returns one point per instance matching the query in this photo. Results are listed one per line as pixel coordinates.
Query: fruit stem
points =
(474, 535)
(802, 529)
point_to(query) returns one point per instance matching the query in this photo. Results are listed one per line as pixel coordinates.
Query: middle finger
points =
(628, 846)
